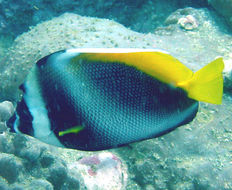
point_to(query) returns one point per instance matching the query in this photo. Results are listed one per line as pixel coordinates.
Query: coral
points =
(5, 42)
(31, 164)
(188, 22)
(10, 167)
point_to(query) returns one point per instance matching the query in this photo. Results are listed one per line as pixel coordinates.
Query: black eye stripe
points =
(25, 118)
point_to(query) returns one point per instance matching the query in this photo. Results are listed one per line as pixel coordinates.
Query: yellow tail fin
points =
(206, 85)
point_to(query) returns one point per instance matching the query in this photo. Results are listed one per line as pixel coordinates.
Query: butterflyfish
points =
(97, 99)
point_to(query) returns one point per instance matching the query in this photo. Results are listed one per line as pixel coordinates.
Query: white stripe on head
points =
(37, 108)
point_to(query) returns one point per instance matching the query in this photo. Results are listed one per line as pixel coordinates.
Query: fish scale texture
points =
(115, 103)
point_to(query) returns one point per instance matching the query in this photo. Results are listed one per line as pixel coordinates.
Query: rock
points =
(40, 184)
(227, 73)
(3, 184)
(6, 110)
(72, 182)
(33, 165)
(101, 171)
(58, 174)
(17, 187)
(47, 159)
(5, 146)
(3, 127)
(10, 167)
(5, 42)
(224, 8)
(19, 142)
(31, 154)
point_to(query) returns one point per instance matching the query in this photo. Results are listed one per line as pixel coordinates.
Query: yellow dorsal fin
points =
(206, 85)
(159, 65)
(76, 130)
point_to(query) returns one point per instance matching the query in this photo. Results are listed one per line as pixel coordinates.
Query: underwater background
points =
(195, 156)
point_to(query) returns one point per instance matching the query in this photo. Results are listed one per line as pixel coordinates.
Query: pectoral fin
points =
(75, 130)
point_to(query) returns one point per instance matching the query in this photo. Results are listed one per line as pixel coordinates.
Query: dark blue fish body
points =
(90, 105)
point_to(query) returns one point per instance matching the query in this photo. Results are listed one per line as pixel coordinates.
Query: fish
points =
(96, 99)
